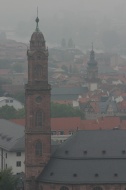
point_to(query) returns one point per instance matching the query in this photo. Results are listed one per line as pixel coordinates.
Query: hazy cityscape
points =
(63, 95)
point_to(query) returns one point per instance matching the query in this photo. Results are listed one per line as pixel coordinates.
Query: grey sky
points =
(82, 20)
(15, 10)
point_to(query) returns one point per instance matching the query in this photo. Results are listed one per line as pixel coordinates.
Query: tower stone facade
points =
(37, 94)
(92, 68)
(75, 164)
(92, 72)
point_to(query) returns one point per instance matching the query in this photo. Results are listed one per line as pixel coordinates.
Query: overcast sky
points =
(16, 10)
(82, 20)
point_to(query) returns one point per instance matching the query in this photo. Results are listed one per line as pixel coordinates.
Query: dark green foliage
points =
(20, 113)
(57, 110)
(20, 97)
(9, 112)
(62, 110)
(7, 180)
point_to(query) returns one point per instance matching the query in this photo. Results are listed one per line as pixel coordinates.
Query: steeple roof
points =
(37, 38)
(88, 157)
(92, 61)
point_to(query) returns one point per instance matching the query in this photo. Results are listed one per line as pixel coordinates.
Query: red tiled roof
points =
(123, 124)
(18, 121)
(65, 124)
(121, 105)
(63, 101)
(75, 123)
(83, 100)
(123, 94)
(100, 123)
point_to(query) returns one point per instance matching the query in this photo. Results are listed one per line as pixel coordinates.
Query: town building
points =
(92, 72)
(12, 141)
(11, 102)
(37, 93)
(12, 146)
(88, 160)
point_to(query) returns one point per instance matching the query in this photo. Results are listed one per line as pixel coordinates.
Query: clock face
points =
(38, 99)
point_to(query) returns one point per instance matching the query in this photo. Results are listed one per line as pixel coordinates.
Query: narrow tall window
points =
(38, 119)
(38, 148)
(38, 72)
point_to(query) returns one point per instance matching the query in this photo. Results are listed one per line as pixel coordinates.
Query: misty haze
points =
(100, 21)
(63, 95)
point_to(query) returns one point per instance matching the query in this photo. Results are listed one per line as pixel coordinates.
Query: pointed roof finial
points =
(37, 21)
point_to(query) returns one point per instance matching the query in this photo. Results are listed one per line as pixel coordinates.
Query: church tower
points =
(37, 94)
(92, 72)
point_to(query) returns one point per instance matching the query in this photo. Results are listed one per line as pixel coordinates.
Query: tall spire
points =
(37, 21)
(92, 54)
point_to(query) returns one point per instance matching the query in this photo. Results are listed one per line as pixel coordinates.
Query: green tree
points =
(62, 110)
(20, 97)
(9, 112)
(7, 180)
(20, 113)
(57, 110)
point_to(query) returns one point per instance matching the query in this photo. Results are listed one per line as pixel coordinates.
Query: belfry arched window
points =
(38, 148)
(38, 72)
(38, 119)
(64, 188)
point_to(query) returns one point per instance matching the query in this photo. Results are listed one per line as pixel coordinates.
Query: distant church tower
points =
(92, 72)
(37, 94)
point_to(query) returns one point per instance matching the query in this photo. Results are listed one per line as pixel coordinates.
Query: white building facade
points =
(11, 102)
